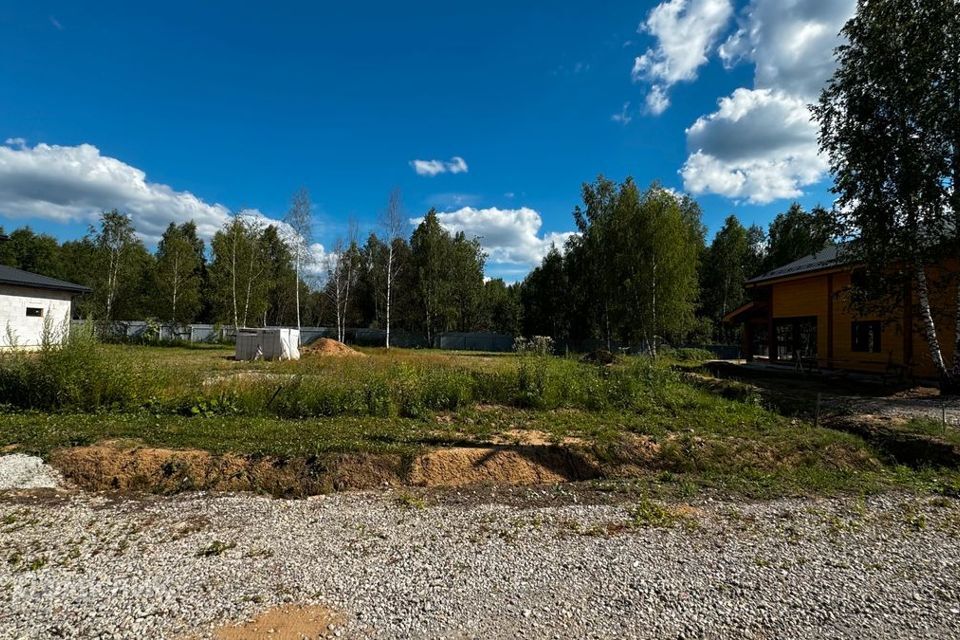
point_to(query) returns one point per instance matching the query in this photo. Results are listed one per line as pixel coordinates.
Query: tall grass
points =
(75, 376)
(83, 375)
(408, 390)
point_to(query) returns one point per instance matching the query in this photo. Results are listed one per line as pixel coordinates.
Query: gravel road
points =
(18, 471)
(531, 563)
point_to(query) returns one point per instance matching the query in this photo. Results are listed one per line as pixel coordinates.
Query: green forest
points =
(638, 271)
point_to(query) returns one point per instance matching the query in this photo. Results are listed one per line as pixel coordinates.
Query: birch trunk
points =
(653, 310)
(233, 282)
(930, 329)
(176, 283)
(389, 285)
(296, 285)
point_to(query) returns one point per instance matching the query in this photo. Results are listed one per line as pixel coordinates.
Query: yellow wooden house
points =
(801, 312)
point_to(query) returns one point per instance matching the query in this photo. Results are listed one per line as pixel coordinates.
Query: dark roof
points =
(21, 278)
(827, 258)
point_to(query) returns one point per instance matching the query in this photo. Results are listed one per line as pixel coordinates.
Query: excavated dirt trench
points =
(120, 467)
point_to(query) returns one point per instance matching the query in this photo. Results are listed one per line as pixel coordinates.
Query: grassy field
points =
(639, 421)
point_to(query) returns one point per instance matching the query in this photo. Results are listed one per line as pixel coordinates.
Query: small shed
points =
(268, 344)
(34, 308)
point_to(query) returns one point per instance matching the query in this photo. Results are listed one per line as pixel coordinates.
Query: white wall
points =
(19, 330)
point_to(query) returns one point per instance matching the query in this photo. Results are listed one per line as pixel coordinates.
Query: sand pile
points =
(328, 347)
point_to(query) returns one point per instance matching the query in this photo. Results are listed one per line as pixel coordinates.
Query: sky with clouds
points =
(493, 114)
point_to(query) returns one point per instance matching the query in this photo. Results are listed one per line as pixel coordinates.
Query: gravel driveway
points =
(534, 564)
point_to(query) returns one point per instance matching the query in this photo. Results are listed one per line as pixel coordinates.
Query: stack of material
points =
(328, 347)
(268, 344)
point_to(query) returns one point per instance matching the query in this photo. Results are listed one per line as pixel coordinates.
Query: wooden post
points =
(829, 321)
(771, 330)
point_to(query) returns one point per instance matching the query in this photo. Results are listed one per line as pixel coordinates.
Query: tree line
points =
(254, 272)
(638, 271)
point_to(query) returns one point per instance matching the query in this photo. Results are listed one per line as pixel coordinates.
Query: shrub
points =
(76, 375)
(687, 354)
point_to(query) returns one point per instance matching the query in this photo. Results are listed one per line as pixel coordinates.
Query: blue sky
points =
(189, 109)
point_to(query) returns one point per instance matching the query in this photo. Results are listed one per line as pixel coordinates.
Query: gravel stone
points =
(80, 565)
(18, 471)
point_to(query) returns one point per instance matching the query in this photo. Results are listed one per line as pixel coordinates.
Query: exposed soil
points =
(329, 347)
(906, 448)
(117, 466)
(284, 623)
(519, 465)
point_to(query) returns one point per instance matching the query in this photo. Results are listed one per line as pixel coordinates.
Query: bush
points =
(76, 375)
(687, 354)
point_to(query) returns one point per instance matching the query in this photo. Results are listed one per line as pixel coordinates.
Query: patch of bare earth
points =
(284, 623)
(520, 465)
(328, 347)
(117, 467)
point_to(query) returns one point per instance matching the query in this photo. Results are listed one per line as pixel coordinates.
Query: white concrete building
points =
(31, 306)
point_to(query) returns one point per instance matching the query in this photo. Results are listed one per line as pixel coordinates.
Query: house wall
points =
(19, 330)
(901, 344)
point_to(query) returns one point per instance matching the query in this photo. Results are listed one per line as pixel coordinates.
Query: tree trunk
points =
(233, 282)
(176, 283)
(296, 285)
(389, 284)
(947, 380)
(653, 310)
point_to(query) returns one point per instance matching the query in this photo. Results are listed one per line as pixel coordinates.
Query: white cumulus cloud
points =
(758, 146)
(77, 183)
(510, 236)
(431, 168)
(761, 143)
(686, 32)
(790, 42)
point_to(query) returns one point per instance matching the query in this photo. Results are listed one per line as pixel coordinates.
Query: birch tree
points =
(238, 269)
(394, 224)
(341, 278)
(177, 276)
(300, 219)
(890, 125)
(727, 266)
(654, 253)
(116, 245)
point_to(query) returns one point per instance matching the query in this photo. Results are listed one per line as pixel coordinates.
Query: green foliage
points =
(687, 354)
(179, 273)
(77, 376)
(238, 284)
(731, 259)
(795, 234)
(447, 273)
(639, 416)
(888, 123)
(630, 274)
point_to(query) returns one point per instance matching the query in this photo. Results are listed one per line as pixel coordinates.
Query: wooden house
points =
(801, 314)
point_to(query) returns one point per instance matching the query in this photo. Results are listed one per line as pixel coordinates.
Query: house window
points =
(866, 337)
(34, 312)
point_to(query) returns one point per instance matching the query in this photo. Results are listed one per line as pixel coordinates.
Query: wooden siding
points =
(823, 296)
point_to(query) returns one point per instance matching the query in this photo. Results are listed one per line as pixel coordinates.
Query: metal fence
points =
(140, 330)
(143, 331)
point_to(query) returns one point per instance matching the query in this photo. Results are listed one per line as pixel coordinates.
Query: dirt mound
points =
(463, 466)
(284, 623)
(115, 467)
(328, 347)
